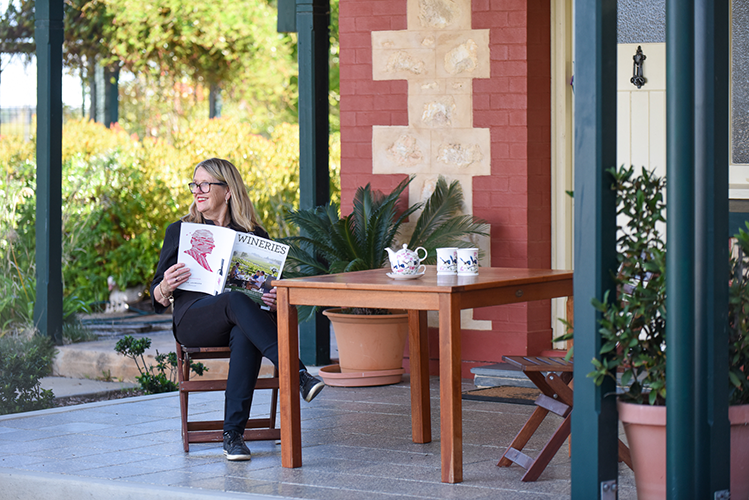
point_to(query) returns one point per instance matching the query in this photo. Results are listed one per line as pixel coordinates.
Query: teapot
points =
(406, 261)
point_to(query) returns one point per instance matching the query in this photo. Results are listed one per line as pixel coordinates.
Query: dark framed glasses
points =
(204, 187)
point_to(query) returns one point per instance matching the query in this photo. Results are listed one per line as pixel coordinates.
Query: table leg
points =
(288, 372)
(418, 350)
(451, 413)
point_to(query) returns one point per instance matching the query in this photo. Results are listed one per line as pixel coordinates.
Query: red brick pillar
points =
(515, 104)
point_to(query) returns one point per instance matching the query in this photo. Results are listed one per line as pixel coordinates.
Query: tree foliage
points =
(17, 28)
(232, 43)
(203, 40)
(87, 24)
(173, 45)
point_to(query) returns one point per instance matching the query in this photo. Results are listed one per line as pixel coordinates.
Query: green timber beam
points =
(49, 36)
(680, 447)
(712, 118)
(595, 419)
(312, 24)
(697, 457)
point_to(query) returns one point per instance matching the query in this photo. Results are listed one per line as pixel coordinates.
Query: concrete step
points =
(98, 361)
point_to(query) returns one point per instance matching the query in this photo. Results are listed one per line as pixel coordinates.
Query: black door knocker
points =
(637, 79)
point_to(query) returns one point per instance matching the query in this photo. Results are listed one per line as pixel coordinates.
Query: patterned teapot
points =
(406, 261)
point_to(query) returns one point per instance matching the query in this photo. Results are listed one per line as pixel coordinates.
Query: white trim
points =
(562, 177)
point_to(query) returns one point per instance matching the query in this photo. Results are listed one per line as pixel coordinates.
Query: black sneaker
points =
(309, 385)
(234, 447)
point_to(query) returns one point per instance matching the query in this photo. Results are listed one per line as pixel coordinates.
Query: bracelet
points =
(170, 296)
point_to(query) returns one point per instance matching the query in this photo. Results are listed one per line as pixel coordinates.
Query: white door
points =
(641, 112)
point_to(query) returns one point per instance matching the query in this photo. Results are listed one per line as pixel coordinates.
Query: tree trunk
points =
(214, 101)
(83, 94)
(92, 89)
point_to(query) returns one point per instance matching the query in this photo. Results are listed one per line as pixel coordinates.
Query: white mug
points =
(468, 261)
(447, 260)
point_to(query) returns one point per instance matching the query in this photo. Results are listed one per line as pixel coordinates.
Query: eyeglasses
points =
(204, 187)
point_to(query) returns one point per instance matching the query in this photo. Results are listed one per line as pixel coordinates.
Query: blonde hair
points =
(241, 210)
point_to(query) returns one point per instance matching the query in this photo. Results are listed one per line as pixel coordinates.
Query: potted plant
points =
(738, 362)
(331, 244)
(633, 334)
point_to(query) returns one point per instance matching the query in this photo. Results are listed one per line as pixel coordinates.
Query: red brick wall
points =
(365, 102)
(515, 103)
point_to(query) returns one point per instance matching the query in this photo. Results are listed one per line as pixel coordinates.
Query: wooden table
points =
(448, 295)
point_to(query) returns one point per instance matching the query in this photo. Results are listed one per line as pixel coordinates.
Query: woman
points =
(220, 198)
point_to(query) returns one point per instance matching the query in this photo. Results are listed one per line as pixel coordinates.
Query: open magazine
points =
(222, 260)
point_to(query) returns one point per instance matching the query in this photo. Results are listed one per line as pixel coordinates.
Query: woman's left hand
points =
(270, 299)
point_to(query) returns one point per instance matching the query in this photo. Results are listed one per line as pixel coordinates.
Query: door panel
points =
(641, 120)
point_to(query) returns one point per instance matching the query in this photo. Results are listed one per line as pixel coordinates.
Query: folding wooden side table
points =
(555, 397)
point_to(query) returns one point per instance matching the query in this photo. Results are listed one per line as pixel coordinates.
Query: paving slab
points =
(356, 443)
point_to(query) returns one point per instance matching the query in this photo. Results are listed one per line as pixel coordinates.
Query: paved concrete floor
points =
(356, 444)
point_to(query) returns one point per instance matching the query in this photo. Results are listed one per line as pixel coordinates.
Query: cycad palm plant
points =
(331, 244)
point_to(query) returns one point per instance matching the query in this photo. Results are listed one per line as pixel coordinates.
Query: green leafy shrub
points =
(17, 275)
(633, 324)
(22, 363)
(158, 378)
(738, 321)
(120, 193)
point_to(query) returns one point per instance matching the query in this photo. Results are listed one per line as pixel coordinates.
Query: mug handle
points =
(425, 253)
(421, 269)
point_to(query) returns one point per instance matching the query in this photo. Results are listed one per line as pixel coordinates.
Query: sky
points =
(18, 84)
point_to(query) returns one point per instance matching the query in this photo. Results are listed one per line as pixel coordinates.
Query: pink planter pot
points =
(645, 427)
(739, 417)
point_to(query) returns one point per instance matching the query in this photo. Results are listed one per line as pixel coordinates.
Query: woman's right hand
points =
(174, 277)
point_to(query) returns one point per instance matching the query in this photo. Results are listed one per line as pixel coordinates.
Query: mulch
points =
(504, 394)
(95, 398)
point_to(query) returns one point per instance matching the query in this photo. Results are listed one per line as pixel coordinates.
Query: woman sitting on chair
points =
(230, 318)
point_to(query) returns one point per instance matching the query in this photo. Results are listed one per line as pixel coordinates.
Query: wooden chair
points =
(257, 429)
(556, 397)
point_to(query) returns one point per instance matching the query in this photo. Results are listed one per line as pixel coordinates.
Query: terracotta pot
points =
(645, 427)
(739, 417)
(369, 342)
(332, 375)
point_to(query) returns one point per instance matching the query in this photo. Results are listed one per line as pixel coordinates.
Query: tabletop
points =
(430, 292)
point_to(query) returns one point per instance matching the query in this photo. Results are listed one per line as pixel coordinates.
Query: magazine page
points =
(255, 263)
(206, 251)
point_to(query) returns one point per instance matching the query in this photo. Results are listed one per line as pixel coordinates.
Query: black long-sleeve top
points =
(182, 299)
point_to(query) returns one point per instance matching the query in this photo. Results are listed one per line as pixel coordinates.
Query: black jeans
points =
(233, 319)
